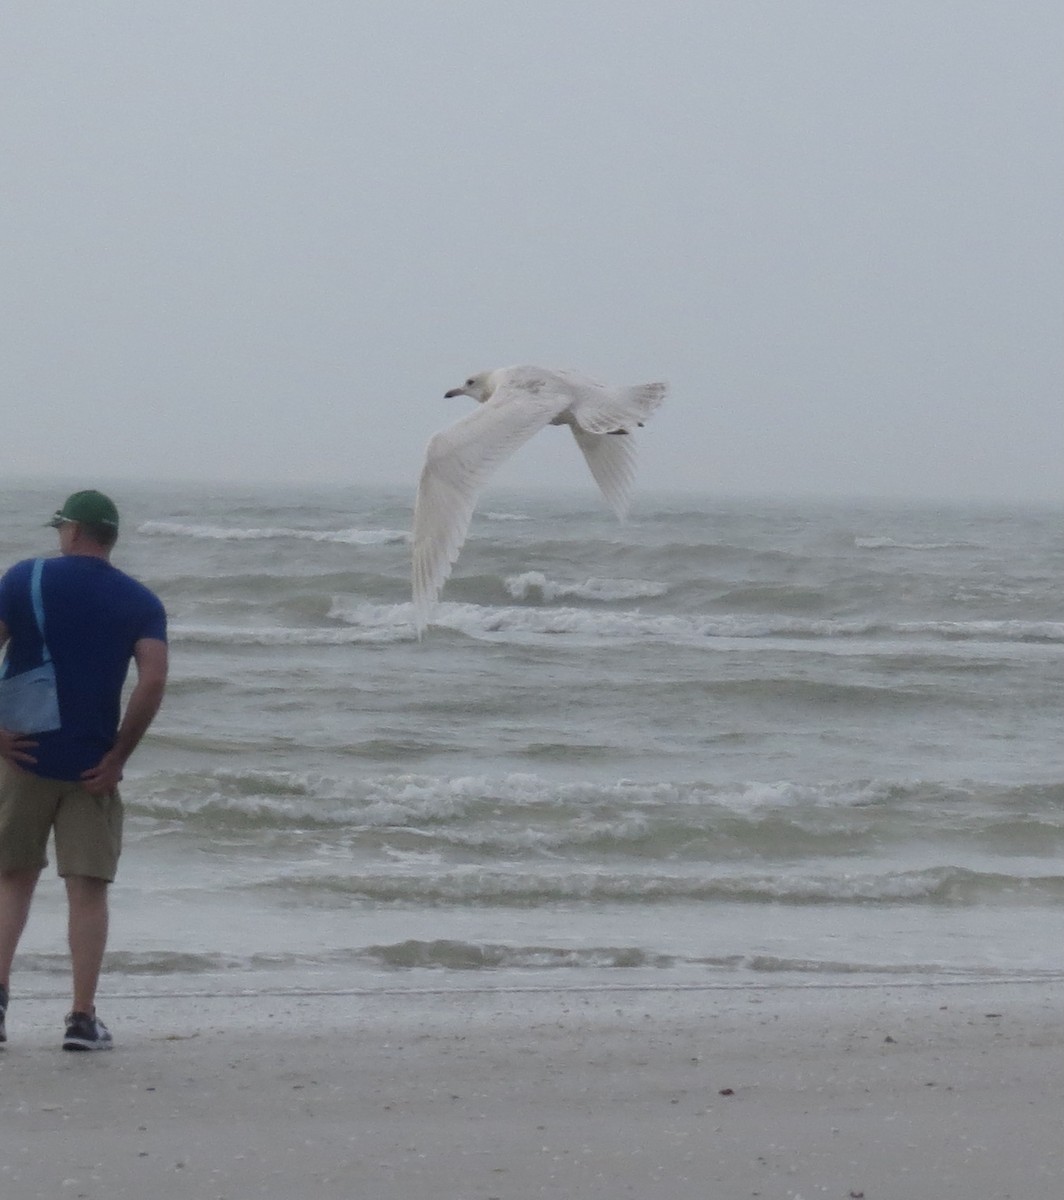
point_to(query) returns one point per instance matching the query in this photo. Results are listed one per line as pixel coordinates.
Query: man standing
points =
(96, 621)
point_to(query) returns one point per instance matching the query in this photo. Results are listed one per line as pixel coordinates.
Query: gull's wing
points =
(611, 458)
(458, 462)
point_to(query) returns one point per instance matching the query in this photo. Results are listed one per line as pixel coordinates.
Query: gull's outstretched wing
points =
(458, 462)
(611, 458)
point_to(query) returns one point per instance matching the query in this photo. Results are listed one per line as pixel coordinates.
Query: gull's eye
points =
(470, 382)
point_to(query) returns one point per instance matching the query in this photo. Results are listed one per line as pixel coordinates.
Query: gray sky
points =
(255, 239)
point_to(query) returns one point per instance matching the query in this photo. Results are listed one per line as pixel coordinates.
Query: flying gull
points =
(514, 403)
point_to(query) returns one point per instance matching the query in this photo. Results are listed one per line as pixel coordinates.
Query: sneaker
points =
(3, 1014)
(85, 1031)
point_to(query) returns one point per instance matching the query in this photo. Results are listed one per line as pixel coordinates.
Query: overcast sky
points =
(258, 239)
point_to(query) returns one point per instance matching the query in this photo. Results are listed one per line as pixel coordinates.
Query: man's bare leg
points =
(87, 899)
(16, 895)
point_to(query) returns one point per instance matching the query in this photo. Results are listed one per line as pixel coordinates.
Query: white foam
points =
(284, 635)
(888, 543)
(604, 590)
(482, 621)
(409, 799)
(347, 537)
(364, 622)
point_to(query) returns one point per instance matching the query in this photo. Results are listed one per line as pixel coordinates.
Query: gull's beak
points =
(455, 392)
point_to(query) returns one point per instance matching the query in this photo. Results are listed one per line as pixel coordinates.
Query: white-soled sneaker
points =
(85, 1031)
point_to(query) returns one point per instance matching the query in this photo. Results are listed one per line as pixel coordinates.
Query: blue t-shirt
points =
(94, 615)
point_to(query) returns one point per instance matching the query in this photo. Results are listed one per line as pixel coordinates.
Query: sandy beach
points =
(889, 1093)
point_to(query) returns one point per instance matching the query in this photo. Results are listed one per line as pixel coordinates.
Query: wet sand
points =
(890, 1093)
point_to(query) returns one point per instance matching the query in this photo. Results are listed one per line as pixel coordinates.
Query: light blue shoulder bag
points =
(29, 702)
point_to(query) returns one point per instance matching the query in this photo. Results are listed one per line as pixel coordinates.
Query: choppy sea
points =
(733, 741)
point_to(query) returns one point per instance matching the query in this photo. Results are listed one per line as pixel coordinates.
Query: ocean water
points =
(733, 741)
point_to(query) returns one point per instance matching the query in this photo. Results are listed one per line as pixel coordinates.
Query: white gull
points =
(515, 403)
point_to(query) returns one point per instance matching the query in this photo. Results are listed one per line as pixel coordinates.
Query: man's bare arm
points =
(14, 747)
(152, 662)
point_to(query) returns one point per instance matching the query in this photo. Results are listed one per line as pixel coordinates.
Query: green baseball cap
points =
(92, 508)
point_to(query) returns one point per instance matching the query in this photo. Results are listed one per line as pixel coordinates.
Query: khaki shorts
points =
(88, 829)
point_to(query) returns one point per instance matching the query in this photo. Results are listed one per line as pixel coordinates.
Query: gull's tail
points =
(619, 410)
(611, 460)
(644, 398)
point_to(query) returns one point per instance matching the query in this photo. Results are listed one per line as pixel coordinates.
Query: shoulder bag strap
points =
(38, 606)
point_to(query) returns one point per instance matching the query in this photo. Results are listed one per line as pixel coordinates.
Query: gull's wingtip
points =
(421, 623)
